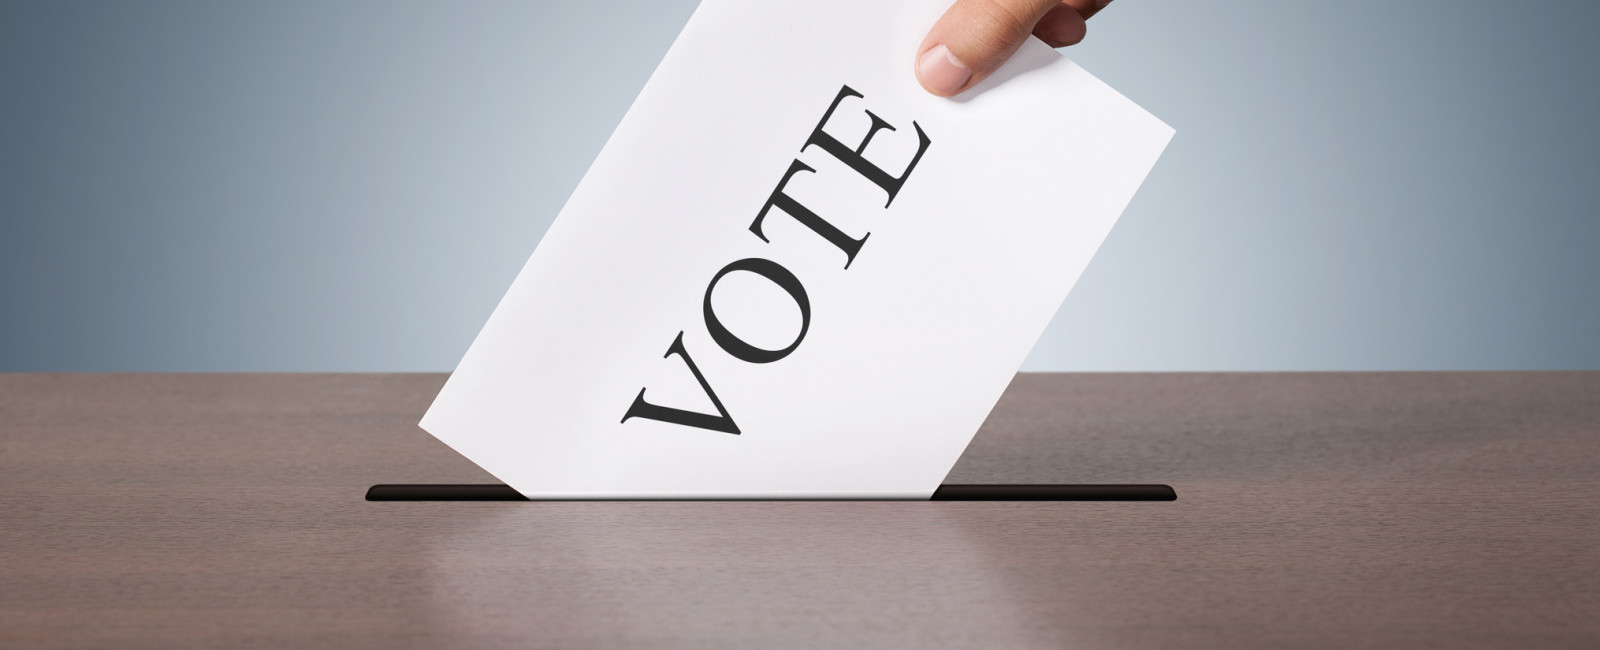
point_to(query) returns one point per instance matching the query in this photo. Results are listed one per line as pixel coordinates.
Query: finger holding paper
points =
(975, 37)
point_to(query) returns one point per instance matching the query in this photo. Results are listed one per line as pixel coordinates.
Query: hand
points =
(975, 36)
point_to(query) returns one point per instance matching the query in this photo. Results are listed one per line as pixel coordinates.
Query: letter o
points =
(778, 275)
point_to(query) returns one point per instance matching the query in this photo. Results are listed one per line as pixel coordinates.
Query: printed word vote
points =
(855, 159)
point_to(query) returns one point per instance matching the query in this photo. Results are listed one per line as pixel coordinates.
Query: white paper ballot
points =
(791, 272)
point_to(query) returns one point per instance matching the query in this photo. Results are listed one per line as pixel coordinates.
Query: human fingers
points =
(973, 38)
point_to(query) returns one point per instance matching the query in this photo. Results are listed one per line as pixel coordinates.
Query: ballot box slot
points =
(951, 492)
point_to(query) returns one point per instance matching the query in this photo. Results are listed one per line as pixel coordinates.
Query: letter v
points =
(648, 411)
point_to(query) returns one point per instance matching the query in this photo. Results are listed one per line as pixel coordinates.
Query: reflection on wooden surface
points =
(1317, 510)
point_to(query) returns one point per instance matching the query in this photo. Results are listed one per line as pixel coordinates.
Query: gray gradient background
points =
(352, 185)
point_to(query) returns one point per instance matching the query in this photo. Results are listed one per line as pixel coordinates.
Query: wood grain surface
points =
(1349, 510)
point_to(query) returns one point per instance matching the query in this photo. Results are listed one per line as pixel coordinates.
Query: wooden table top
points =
(1340, 510)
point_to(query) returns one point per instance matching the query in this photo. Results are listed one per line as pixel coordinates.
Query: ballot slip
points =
(793, 273)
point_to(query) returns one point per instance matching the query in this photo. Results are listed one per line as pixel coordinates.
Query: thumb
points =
(972, 39)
